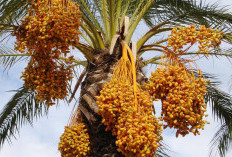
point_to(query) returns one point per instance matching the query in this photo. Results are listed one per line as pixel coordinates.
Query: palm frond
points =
(11, 11)
(228, 37)
(221, 141)
(22, 108)
(152, 32)
(8, 57)
(91, 14)
(135, 22)
(163, 150)
(221, 104)
(6, 28)
(189, 12)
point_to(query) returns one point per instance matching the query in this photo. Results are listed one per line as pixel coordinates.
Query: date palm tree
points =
(105, 24)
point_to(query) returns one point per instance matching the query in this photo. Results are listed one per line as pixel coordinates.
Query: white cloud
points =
(29, 145)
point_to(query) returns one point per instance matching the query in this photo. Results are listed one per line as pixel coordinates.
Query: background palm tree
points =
(103, 28)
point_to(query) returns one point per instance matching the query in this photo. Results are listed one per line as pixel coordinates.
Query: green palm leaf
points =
(221, 141)
(189, 12)
(21, 109)
(221, 104)
(12, 10)
(8, 57)
(163, 150)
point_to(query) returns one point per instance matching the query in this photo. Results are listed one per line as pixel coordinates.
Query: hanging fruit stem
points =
(126, 49)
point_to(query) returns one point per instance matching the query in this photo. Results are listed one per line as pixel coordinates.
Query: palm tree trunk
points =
(98, 73)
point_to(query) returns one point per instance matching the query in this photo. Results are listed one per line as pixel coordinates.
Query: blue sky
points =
(42, 139)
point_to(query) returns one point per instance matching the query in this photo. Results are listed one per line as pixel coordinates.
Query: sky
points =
(41, 139)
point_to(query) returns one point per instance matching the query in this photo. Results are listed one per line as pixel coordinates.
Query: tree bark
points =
(98, 73)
